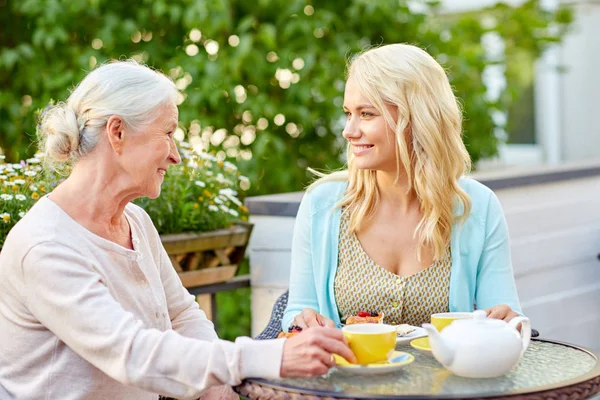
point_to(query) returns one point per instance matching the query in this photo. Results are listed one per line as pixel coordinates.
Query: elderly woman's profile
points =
(90, 305)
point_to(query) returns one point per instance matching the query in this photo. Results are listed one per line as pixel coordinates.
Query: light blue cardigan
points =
(481, 274)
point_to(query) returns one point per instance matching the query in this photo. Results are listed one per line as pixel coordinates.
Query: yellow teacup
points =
(370, 343)
(442, 320)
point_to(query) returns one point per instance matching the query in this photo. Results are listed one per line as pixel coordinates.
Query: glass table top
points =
(545, 364)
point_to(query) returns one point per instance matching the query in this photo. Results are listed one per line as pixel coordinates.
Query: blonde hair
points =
(429, 146)
(70, 130)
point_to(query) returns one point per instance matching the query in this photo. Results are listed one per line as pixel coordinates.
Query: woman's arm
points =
(303, 293)
(70, 298)
(187, 318)
(495, 279)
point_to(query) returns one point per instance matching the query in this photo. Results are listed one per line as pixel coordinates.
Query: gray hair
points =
(70, 130)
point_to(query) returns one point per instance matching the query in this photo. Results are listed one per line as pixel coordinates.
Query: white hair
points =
(70, 130)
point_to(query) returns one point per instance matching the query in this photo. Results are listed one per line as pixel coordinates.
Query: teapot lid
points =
(480, 320)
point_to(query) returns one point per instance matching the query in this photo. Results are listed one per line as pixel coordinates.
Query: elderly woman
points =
(402, 232)
(90, 306)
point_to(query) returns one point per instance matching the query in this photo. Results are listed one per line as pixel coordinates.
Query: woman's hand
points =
(501, 311)
(309, 318)
(309, 353)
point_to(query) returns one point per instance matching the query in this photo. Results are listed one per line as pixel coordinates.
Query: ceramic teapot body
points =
(480, 347)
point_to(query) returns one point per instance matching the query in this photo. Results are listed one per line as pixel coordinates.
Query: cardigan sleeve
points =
(302, 292)
(70, 298)
(495, 279)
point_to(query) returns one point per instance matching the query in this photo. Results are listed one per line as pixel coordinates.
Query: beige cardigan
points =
(84, 318)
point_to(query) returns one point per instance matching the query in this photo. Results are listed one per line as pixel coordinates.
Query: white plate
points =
(398, 359)
(417, 333)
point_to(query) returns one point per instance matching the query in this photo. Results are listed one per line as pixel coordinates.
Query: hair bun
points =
(59, 133)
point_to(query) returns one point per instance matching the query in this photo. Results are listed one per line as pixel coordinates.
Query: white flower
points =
(2, 177)
(192, 164)
(6, 197)
(220, 178)
(213, 208)
(200, 183)
(231, 195)
(2, 157)
(207, 156)
(33, 188)
(208, 173)
(233, 212)
(20, 197)
(230, 166)
(17, 166)
(228, 192)
(5, 217)
(224, 208)
(218, 200)
(19, 182)
(30, 173)
(33, 160)
(21, 214)
(244, 183)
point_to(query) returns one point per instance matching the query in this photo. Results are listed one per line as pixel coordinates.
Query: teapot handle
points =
(525, 330)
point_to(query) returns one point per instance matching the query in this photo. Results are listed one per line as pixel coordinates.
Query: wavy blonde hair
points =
(429, 150)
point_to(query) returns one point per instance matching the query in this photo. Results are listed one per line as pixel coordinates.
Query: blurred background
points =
(262, 81)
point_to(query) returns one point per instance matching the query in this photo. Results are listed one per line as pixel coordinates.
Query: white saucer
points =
(417, 333)
(397, 360)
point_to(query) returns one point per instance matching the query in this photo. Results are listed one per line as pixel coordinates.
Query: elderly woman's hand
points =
(310, 353)
(309, 318)
(501, 311)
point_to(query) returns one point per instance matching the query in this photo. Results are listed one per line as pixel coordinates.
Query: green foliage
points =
(268, 72)
(199, 195)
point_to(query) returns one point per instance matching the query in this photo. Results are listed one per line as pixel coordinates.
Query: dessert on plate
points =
(365, 317)
(292, 330)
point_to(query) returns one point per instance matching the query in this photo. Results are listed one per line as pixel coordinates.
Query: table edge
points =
(594, 373)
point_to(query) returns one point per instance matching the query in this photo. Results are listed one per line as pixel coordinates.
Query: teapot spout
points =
(440, 349)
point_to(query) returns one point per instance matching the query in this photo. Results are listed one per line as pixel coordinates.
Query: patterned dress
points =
(362, 285)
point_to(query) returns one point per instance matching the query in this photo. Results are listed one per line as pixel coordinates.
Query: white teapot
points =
(480, 347)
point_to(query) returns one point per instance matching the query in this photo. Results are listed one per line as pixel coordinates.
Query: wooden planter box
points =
(208, 257)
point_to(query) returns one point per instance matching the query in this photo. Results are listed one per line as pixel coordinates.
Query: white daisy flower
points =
(17, 166)
(19, 182)
(6, 197)
(2, 177)
(33, 161)
(234, 213)
(218, 200)
(230, 166)
(228, 192)
(224, 208)
(21, 214)
(213, 208)
(5, 217)
(2, 157)
(20, 197)
(200, 183)
(207, 156)
(30, 173)
(33, 188)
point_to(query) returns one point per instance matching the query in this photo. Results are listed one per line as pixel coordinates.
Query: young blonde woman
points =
(402, 231)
